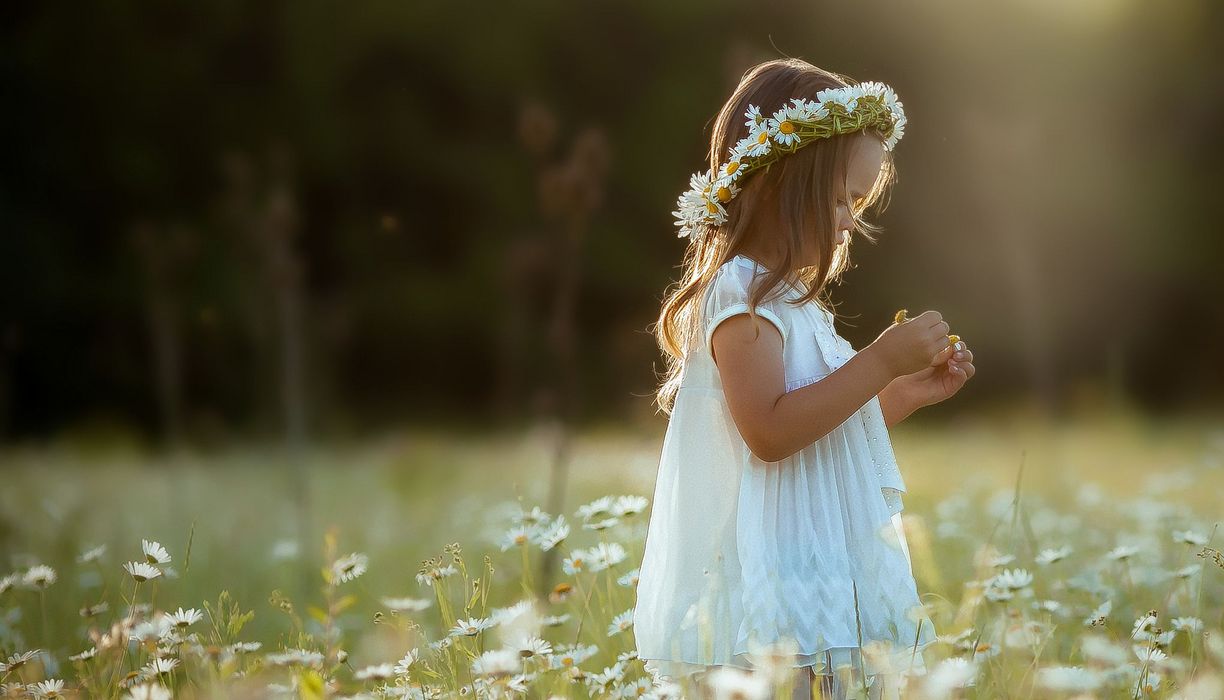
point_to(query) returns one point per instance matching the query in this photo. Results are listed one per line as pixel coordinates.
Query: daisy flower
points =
(529, 646)
(184, 618)
(1049, 556)
(603, 506)
(471, 627)
(154, 552)
(147, 691)
(377, 672)
(92, 554)
(1189, 624)
(7, 583)
(1122, 552)
(601, 524)
(951, 673)
(497, 663)
(607, 554)
(1189, 537)
(1069, 678)
(1013, 579)
(348, 568)
(571, 655)
(782, 128)
(554, 535)
(731, 682)
(760, 144)
(17, 660)
(87, 654)
(577, 562)
(162, 664)
(620, 623)
(501, 616)
(428, 576)
(40, 576)
(754, 119)
(517, 536)
(51, 688)
(1098, 616)
(406, 604)
(555, 620)
(403, 665)
(630, 579)
(533, 517)
(295, 657)
(141, 571)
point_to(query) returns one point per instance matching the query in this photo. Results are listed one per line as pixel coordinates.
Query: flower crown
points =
(835, 111)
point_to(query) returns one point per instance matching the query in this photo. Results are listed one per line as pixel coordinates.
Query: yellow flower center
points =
(763, 137)
(732, 167)
(724, 194)
(712, 210)
(786, 127)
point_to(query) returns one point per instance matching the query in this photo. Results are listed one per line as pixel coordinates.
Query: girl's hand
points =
(948, 372)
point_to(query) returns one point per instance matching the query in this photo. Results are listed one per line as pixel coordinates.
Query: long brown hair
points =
(803, 185)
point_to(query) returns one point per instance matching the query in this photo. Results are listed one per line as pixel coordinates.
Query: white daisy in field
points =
(949, 674)
(295, 657)
(40, 577)
(93, 554)
(1000, 560)
(1190, 625)
(501, 616)
(606, 555)
(159, 665)
(497, 663)
(554, 535)
(955, 639)
(621, 623)
(729, 682)
(244, 647)
(405, 664)
(435, 573)
(1049, 556)
(1143, 623)
(555, 620)
(375, 672)
(1099, 615)
(406, 604)
(16, 661)
(529, 646)
(141, 571)
(1122, 552)
(604, 524)
(1189, 537)
(1186, 571)
(147, 691)
(154, 552)
(8, 582)
(533, 517)
(517, 536)
(627, 656)
(629, 580)
(602, 506)
(443, 643)
(1148, 654)
(997, 594)
(87, 654)
(348, 568)
(571, 655)
(601, 682)
(577, 562)
(1069, 678)
(184, 618)
(1013, 579)
(470, 627)
(150, 630)
(629, 505)
(50, 688)
(1052, 606)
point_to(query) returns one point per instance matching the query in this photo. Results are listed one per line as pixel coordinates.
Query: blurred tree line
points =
(231, 219)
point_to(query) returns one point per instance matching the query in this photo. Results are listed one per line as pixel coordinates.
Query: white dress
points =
(740, 550)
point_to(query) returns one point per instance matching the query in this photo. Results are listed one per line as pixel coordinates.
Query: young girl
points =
(776, 514)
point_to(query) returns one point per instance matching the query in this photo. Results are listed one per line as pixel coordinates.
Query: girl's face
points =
(866, 159)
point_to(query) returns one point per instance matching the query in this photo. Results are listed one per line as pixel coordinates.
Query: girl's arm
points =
(896, 403)
(773, 422)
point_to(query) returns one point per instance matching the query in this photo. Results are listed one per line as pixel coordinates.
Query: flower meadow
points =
(1047, 592)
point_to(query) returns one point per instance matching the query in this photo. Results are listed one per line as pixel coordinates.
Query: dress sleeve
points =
(728, 296)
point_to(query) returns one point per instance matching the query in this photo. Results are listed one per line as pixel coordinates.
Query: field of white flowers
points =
(1077, 562)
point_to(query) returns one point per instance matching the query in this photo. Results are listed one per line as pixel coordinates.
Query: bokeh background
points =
(271, 268)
